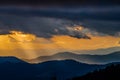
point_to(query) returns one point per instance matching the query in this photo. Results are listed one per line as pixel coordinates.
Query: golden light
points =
(20, 36)
(78, 28)
(29, 46)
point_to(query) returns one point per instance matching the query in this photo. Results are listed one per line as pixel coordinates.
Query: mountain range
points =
(85, 58)
(12, 68)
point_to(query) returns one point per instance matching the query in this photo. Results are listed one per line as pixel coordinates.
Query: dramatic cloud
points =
(28, 46)
(47, 22)
(42, 27)
(48, 27)
(27, 33)
(105, 27)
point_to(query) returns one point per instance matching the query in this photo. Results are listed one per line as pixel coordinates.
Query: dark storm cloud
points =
(40, 26)
(80, 13)
(106, 27)
(47, 22)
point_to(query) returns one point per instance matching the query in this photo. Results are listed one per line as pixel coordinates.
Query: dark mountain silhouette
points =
(85, 58)
(10, 60)
(109, 73)
(12, 68)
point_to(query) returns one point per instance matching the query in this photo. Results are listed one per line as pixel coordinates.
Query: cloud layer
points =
(28, 46)
(39, 32)
(46, 22)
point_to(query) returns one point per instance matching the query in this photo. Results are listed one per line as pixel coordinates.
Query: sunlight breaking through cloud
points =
(28, 46)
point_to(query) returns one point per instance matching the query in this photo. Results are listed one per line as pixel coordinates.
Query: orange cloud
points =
(28, 46)
(96, 42)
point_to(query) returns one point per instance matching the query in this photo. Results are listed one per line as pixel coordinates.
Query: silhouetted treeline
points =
(111, 72)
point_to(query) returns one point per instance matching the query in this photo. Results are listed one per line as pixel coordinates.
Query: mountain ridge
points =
(85, 58)
(8, 59)
(61, 69)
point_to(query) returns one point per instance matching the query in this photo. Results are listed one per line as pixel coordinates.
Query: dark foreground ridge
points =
(109, 73)
(12, 68)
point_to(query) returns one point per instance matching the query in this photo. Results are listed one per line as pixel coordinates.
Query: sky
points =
(32, 29)
(59, 2)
